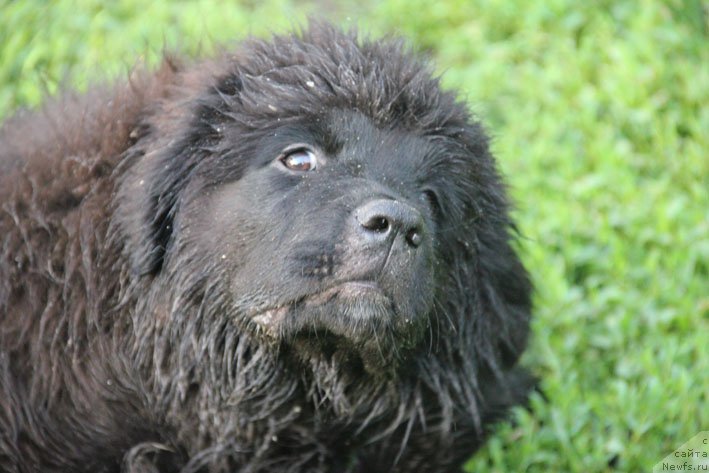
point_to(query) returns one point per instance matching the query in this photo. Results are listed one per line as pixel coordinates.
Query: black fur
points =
(173, 298)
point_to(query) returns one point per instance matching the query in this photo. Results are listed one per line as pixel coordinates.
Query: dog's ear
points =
(160, 165)
(505, 297)
(487, 259)
(147, 204)
(504, 287)
(150, 192)
(494, 304)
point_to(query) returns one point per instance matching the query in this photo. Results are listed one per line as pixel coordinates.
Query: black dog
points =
(295, 257)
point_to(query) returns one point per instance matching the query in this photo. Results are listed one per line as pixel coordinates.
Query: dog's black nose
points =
(382, 219)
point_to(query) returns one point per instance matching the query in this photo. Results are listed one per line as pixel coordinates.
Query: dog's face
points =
(347, 212)
(330, 233)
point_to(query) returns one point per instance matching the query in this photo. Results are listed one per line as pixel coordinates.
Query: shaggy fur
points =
(174, 298)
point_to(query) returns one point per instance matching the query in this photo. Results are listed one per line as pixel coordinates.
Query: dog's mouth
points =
(359, 301)
(354, 324)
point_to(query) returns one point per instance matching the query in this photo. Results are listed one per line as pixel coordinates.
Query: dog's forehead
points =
(361, 141)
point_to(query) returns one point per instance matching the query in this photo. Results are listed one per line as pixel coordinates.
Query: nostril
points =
(377, 223)
(413, 238)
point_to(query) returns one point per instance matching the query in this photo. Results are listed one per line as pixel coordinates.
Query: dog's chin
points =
(353, 324)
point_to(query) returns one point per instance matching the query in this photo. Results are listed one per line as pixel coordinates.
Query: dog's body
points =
(293, 258)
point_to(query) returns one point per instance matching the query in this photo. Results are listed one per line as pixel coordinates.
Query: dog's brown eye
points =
(301, 159)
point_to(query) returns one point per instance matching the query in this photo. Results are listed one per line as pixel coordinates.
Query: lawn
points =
(600, 117)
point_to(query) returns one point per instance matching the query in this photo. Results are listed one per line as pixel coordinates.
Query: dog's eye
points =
(300, 159)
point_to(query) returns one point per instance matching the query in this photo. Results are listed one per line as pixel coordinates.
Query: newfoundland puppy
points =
(294, 257)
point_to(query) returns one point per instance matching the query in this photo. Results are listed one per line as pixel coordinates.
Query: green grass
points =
(600, 113)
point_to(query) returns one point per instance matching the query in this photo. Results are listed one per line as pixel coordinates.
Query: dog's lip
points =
(349, 288)
(357, 285)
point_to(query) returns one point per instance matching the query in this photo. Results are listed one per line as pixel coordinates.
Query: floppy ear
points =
(491, 267)
(161, 163)
(147, 205)
(505, 297)
(504, 288)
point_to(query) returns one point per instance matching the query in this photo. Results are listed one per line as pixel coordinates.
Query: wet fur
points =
(123, 349)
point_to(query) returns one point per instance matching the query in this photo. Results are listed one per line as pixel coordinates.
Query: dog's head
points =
(327, 195)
